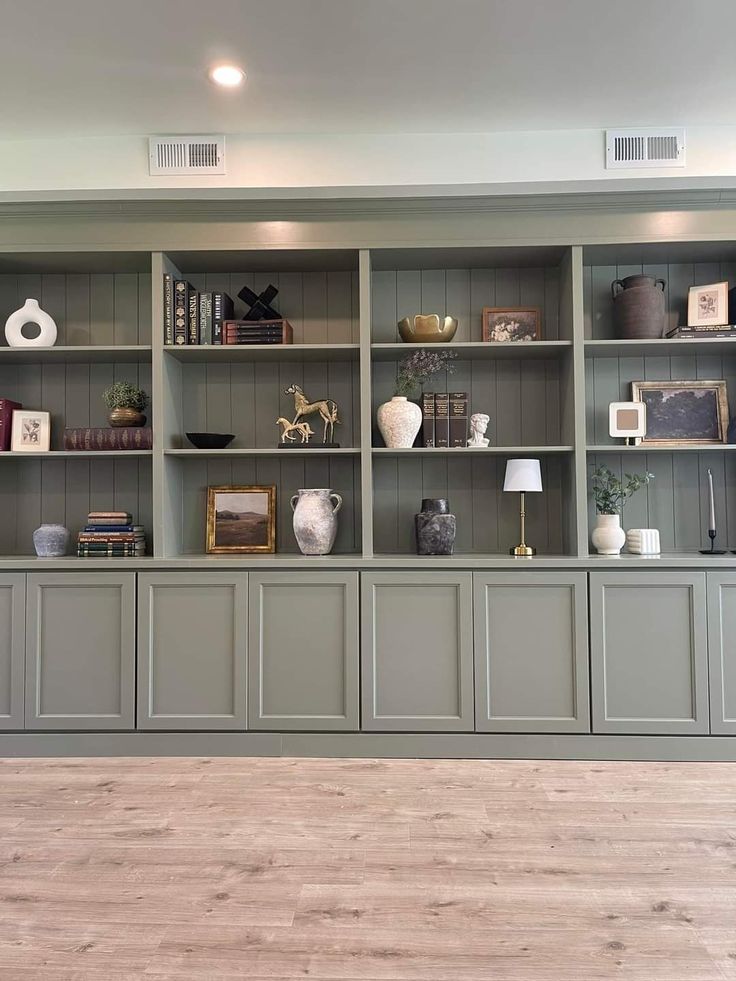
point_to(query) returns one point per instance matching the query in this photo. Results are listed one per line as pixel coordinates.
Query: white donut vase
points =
(30, 313)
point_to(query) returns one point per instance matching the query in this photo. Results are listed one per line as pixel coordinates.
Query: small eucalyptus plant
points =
(123, 395)
(610, 493)
(418, 367)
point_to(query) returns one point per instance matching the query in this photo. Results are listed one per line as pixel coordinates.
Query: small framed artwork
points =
(31, 431)
(707, 306)
(680, 413)
(241, 519)
(627, 420)
(511, 324)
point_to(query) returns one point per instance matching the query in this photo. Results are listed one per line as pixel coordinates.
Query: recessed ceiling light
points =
(229, 76)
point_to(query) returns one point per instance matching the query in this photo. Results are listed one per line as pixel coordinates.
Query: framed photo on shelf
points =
(31, 431)
(707, 306)
(241, 519)
(680, 413)
(511, 324)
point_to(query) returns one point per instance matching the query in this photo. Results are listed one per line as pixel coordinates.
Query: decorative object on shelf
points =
(241, 519)
(106, 438)
(610, 495)
(643, 541)
(478, 426)
(290, 431)
(31, 431)
(111, 534)
(712, 521)
(126, 403)
(427, 329)
(257, 332)
(627, 420)
(210, 441)
(680, 413)
(51, 541)
(707, 306)
(315, 519)
(7, 408)
(399, 420)
(639, 308)
(325, 408)
(435, 527)
(30, 313)
(501, 324)
(523, 477)
(260, 304)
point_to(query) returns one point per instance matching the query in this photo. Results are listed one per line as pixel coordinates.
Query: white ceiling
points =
(113, 67)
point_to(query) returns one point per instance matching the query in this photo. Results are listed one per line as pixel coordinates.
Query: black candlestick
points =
(712, 550)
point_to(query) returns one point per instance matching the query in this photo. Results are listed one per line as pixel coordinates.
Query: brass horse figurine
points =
(326, 408)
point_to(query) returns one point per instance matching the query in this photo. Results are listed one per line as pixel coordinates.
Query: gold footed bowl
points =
(427, 329)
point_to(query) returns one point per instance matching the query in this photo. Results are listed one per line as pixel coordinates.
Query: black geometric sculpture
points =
(260, 304)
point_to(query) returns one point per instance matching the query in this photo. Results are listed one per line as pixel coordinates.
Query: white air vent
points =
(186, 155)
(629, 148)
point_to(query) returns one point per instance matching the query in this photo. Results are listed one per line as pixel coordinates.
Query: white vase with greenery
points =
(400, 420)
(610, 495)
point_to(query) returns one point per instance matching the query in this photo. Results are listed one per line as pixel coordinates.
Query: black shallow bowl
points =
(210, 441)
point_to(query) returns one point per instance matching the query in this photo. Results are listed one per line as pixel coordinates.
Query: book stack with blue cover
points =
(111, 533)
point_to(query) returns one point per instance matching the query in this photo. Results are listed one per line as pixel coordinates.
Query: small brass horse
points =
(326, 408)
(289, 429)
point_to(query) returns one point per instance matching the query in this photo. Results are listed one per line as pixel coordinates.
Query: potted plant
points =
(610, 494)
(126, 404)
(400, 420)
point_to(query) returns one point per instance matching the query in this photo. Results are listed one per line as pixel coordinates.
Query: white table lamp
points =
(523, 476)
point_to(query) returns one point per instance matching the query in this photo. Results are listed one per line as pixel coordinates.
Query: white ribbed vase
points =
(399, 422)
(608, 536)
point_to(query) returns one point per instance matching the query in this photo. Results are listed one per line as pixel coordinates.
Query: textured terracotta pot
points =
(399, 422)
(638, 307)
(315, 519)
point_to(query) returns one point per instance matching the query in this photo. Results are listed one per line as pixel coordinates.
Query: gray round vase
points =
(435, 527)
(51, 541)
(315, 519)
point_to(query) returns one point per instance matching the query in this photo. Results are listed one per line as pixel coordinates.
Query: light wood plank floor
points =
(221, 869)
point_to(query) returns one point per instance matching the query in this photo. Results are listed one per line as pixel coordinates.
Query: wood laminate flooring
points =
(369, 870)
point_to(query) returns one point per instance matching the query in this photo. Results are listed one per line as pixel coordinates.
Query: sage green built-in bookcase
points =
(547, 399)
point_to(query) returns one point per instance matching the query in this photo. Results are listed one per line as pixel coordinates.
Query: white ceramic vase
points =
(315, 519)
(608, 535)
(30, 313)
(399, 422)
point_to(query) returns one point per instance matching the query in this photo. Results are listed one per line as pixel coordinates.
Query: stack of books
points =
(111, 533)
(258, 332)
(688, 333)
(109, 438)
(193, 316)
(445, 419)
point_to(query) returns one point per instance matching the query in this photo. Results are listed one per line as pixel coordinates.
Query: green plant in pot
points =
(610, 495)
(400, 420)
(126, 403)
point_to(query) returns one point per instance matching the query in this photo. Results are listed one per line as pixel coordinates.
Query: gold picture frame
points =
(702, 408)
(241, 526)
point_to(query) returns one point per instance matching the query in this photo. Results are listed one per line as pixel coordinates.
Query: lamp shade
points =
(523, 475)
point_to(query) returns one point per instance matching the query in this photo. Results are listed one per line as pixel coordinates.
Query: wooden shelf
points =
(72, 454)
(468, 451)
(662, 347)
(697, 448)
(218, 353)
(268, 451)
(476, 350)
(77, 354)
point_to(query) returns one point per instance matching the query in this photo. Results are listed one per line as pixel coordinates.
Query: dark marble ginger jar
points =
(435, 527)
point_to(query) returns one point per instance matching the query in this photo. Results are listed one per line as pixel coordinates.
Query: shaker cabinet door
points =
(722, 651)
(12, 649)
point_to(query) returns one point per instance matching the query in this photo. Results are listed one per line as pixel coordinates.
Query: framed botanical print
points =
(511, 324)
(31, 431)
(680, 413)
(241, 519)
(707, 306)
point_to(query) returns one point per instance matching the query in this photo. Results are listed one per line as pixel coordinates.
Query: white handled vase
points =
(315, 519)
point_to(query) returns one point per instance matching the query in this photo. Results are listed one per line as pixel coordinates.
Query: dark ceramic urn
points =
(638, 307)
(435, 527)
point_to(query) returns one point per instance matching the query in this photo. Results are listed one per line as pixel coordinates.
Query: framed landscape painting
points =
(241, 519)
(680, 413)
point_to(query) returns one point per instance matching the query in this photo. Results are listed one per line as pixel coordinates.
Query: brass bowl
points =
(427, 329)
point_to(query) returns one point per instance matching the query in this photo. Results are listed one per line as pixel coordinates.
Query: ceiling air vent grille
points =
(629, 148)
(170, 155)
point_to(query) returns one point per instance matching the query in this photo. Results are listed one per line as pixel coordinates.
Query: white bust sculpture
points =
(478, 425)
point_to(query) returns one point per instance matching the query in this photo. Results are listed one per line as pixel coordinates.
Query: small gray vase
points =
(51, 541)
(435, 527)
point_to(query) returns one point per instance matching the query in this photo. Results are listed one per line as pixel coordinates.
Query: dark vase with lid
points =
(638, 307)
(435, 527)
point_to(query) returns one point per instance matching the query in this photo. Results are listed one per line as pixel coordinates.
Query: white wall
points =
(359, 164)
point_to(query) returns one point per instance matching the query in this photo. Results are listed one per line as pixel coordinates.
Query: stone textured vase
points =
(399, 422)
(51, 540)
(435, 527)
(30, 313)
(608, 536)
(638, 307)
(315, 519)
(124, 416)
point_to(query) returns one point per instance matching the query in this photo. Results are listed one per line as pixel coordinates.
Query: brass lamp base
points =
(522, 550)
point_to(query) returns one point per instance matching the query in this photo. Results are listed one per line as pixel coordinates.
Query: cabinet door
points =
(80, 651)
(12, 649)
(303, 651)
(649, 662)
(192, 650)
(531, 652)
(417, 651)
(722, 651)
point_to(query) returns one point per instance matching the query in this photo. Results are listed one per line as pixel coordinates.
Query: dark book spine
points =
(168, 308)
(222, 310)
(458, 426)
(121, 438)
(428, 419)
(192, 317)
(7, 407)
(180, 311)
(441, 419)
(205, 318)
